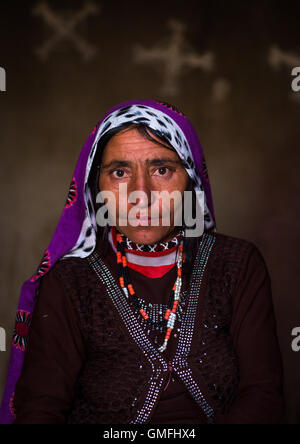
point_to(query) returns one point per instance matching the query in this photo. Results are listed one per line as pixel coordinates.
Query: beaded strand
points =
(169, 318)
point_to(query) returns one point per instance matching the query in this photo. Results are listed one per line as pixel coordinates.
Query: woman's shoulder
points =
(234, 247)
(72, 278)
(72, 261)
(68, 270)
(237, 253)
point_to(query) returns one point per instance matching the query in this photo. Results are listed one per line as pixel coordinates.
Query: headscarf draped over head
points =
(75, 234)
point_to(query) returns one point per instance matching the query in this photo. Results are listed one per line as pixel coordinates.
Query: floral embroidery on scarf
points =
(12, 406)
(21, 330)
(72, 194)
(44, 266)
(171, 107)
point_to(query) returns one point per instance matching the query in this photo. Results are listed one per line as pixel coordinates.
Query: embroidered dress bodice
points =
(174, 359)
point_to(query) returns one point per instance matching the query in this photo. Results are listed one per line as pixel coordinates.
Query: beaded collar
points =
(135, 248)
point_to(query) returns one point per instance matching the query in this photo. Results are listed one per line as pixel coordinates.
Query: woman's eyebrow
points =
(150, 162)
(162, 161)
(116, 164)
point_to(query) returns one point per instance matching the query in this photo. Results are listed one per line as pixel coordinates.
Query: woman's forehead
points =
(131, 143)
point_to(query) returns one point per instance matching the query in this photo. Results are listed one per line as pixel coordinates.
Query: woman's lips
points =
(136, 221)
(145, 219)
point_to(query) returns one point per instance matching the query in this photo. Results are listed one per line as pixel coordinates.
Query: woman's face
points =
(131, 160)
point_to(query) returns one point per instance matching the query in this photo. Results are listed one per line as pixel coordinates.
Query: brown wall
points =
(244, 110)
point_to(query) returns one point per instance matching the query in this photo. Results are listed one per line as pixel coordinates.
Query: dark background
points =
(243, 108)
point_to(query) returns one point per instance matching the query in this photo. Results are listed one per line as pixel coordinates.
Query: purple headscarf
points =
(75, 234)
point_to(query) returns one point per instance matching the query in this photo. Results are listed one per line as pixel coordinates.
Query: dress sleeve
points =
(53, 359)
(253, 331)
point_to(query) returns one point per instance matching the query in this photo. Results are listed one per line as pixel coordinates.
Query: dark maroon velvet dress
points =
(75, 331)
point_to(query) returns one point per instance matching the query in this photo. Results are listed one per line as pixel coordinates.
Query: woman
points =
(128, 321)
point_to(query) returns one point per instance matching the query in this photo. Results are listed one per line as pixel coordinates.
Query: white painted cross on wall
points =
(65, 29)
(175, 57)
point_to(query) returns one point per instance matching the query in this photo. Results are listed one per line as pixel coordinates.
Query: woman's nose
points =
(142, 186)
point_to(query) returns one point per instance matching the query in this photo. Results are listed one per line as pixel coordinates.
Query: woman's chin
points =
(146, 235)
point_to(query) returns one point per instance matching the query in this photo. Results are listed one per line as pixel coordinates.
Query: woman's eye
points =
(163, 171)
(118, 173)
